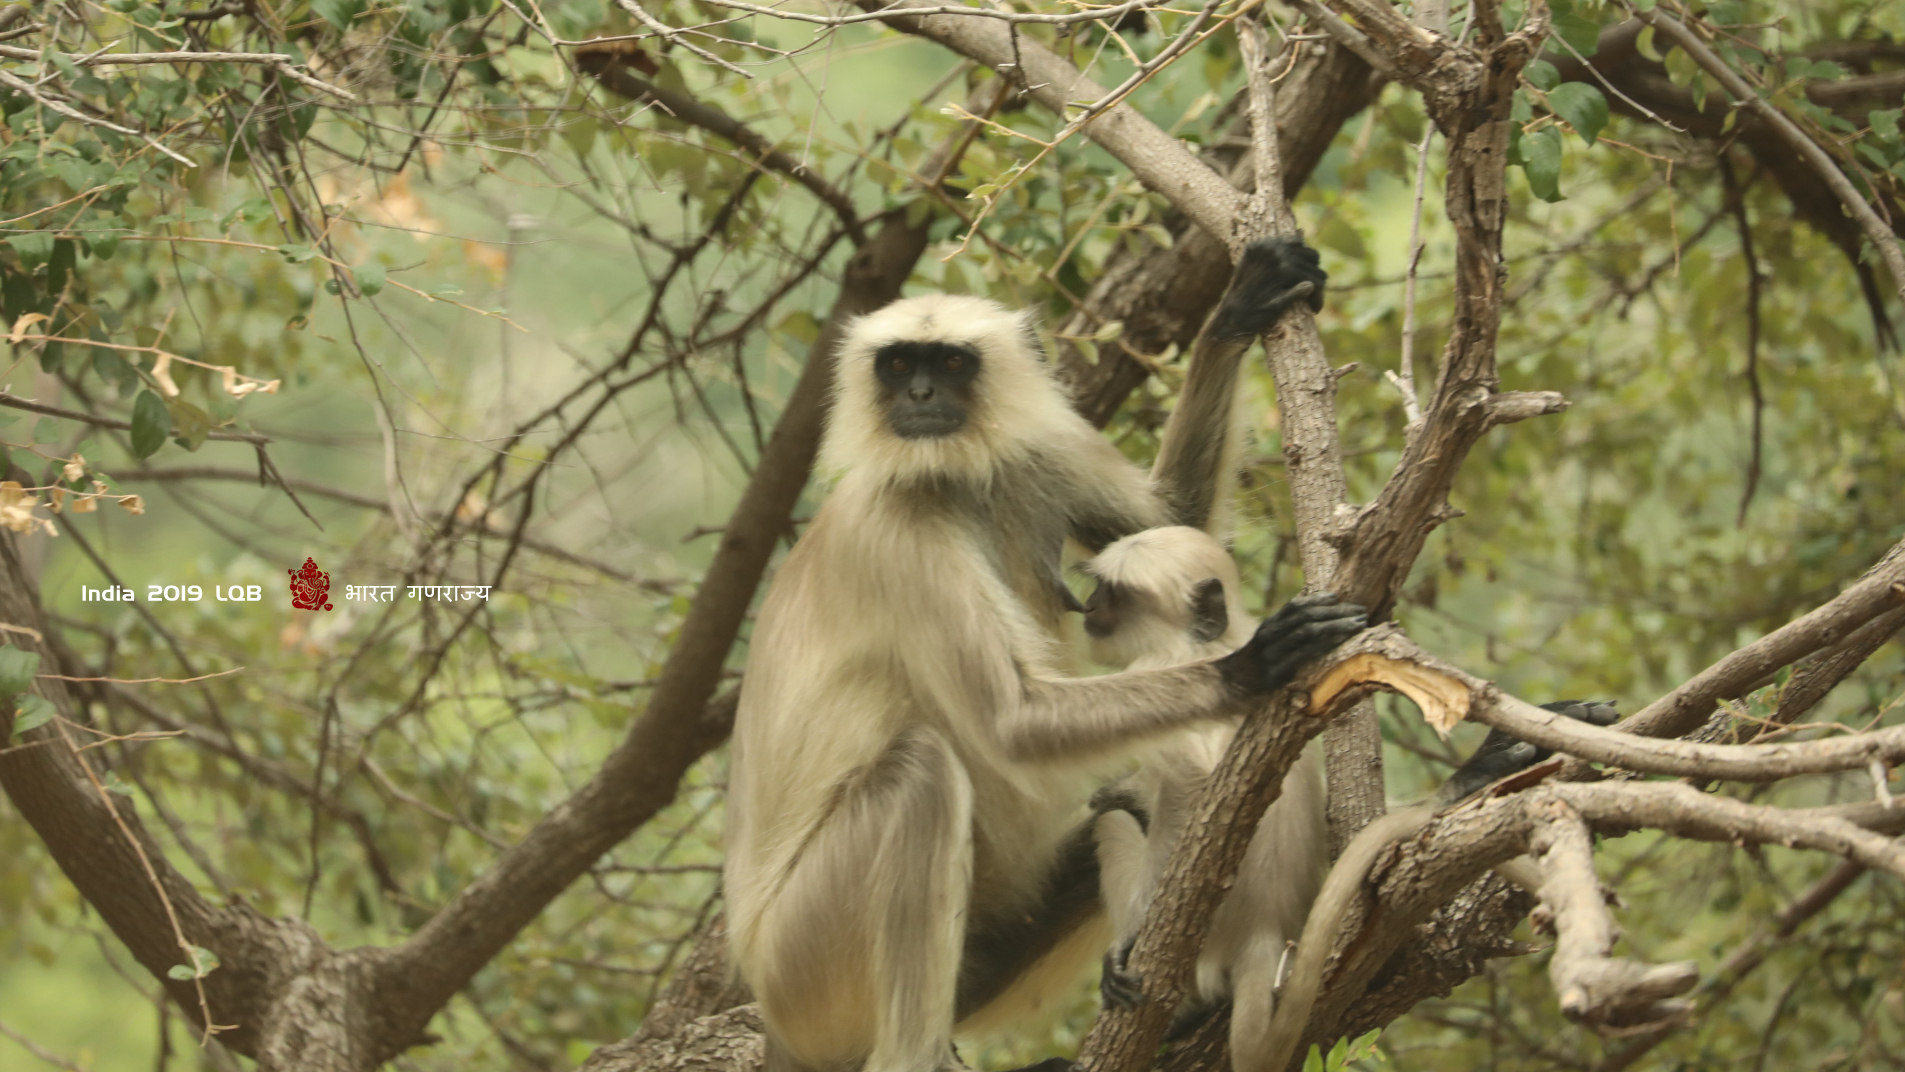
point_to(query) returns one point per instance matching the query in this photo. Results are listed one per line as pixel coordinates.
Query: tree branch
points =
(1880, 590)
(1158, 160)
(1594, 987)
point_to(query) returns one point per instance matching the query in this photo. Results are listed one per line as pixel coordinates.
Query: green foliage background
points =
(465, 277)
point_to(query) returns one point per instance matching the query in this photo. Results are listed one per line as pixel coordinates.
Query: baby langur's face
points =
(1162, 596)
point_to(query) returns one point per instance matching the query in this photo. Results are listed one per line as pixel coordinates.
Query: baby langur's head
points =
(1165, 596)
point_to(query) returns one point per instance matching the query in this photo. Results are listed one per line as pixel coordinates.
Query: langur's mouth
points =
(926, 424)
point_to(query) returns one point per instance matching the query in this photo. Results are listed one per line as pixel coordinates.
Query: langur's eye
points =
(900, 364)
(955, 362)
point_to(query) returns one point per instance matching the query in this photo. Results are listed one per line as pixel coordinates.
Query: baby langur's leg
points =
(1125, 878)
(872, 918)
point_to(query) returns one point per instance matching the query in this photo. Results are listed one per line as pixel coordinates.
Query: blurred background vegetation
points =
(440, 276)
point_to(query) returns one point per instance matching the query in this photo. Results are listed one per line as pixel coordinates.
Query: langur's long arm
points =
(1058, 719)
(1197, 452)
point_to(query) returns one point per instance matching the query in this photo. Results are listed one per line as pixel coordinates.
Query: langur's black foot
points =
(1118, 988)
(1119, 796)
(1304, 629)
(1191, 1015)
(1273, 275)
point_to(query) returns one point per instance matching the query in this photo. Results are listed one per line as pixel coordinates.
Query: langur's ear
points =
(1210, 618)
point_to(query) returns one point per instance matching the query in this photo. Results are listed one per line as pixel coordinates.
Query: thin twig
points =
(1405, 376)
(673, 36)
(145, 680)
(39, 1051)
(1736, 200)
(26, 89)
(283, 64)
(1107, 14)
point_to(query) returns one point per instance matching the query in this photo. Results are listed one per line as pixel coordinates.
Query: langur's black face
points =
(927, 387)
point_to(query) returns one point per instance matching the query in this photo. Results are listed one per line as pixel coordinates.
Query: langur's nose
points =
(921, 389)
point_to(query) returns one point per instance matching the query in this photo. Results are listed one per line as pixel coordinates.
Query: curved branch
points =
(1158, 160)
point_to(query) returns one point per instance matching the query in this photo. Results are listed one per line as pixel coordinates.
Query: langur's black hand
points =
(1501, 755)
(1116, 985)
(1273, 275)
(1304, 629)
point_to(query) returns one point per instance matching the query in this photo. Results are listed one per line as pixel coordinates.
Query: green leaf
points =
(255, 210)
(1582, 106)
(1885, 122)
(17, 667)
(370, 278)
(1542, 75)
(34, 247)
(46, 430)
(339, 13)
(115, 370)
(1584, 34)
(151, 423)
(67, 66)
(204, 962)
(115, 784)
(1541, 160)
(190, 424)
(34, 712)
(297, 254)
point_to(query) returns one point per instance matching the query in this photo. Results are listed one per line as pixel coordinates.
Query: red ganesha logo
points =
(309, 586)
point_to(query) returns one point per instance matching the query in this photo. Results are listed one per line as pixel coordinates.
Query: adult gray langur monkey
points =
(1170, 596)
(905, 844)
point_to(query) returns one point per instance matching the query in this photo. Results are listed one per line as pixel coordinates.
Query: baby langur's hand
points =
(1306, 628)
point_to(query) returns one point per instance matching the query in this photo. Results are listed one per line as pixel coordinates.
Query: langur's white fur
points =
(1157, 573)
(907, 771)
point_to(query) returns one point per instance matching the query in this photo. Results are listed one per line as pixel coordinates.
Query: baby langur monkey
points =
(1168, 596)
